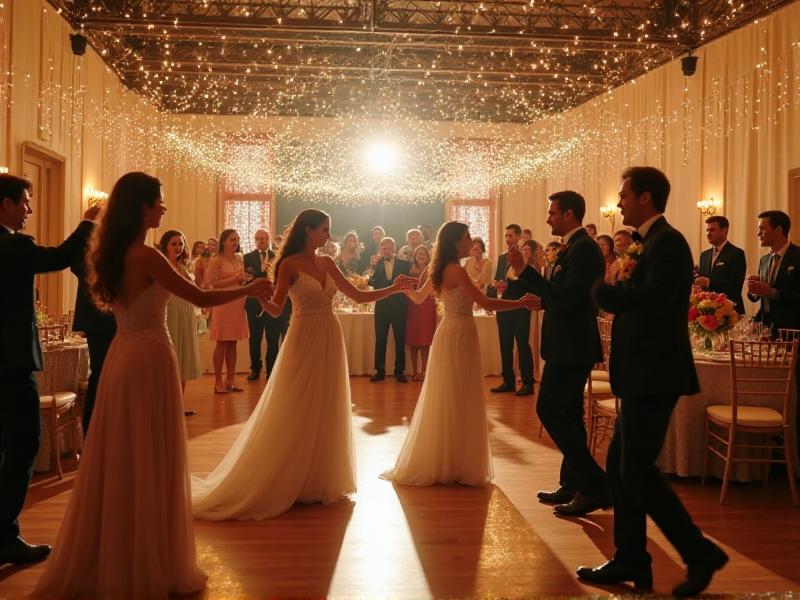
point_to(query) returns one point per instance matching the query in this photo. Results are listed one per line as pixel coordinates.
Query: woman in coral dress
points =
(420, 318)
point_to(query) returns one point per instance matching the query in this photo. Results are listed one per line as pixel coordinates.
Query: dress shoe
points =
(560, 496)
(613, 573)
(19, 552)
(401, 378)
(502, 388)
(581, 505)
(699, 573)
(377, 377)
(525, 390)
(253, 376)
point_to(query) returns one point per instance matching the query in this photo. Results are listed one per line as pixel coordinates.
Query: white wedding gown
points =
(297, 445)
(448, 440)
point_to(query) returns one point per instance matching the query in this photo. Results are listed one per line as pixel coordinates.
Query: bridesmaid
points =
(420, 318)
(181, 315)
(229, 321)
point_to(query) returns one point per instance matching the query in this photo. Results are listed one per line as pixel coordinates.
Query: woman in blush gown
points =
(448, 439)
(297, 445)
(127, 530)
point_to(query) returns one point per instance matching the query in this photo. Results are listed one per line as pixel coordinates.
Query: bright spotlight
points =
(381, 157)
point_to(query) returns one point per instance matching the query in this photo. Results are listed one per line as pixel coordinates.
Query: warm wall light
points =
(94, 197)
(3, 169)
(609, 211)
(708, 207)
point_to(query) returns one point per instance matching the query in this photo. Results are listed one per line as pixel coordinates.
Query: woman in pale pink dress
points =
(229, 321)
(127, 531)
(420, 318)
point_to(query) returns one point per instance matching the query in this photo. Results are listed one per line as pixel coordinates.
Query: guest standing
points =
(421, 319)
(591, 229)
(389, 312)
(651, 367)
(201, 263)
(373, 248)
(413, 240)
(228, 321)
(20, 355)
(512, 325)
(182, 315)
(570, 347)
(350, 260)
(550, 255)
(478, 267)
(723, 266)
(606, 243)
(197, 251)
(622, 241)
(533, 255)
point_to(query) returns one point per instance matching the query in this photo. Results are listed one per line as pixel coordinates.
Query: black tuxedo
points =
(265, 324)
(513, 325)
(783, 311)
(727, 274)
(98, 326)
(570, 347)
(651, 367)
(20, 355)
(390, 311)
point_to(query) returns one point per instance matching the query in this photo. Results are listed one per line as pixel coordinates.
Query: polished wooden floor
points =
(440, 541)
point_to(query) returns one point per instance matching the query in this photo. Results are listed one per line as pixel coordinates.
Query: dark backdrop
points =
(395, 219)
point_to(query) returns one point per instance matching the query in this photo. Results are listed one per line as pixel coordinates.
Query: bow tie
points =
(637, 237)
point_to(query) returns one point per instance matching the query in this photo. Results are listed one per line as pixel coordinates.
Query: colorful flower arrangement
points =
(359, 281)
(710, 314)
(629, 260)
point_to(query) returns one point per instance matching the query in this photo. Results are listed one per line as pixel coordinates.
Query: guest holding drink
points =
(373, 250)
(228, 321)
(420, 318)
(478, 267)
(182, 314)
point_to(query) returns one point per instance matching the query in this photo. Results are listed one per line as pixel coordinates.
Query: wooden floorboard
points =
(440, 541)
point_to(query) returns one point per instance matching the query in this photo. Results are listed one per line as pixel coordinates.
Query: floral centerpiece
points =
(41, 315)
(711, 316)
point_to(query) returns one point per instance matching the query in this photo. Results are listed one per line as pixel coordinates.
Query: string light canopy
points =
(473, 60)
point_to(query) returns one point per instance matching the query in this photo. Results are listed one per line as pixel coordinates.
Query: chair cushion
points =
(600, 388)
(749, 416)
(607, 405)
(61, 399)
(600, 376)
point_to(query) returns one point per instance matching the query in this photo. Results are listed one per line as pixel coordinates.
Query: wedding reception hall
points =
(399, 298)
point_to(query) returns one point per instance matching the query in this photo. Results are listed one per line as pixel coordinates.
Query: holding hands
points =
(404, 283)
(531, 302)
(703, 282)
(261, 288)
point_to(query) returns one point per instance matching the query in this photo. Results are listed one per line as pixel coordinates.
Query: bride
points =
(448, 439)
(297, 445)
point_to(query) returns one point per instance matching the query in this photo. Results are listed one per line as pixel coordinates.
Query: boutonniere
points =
(789, 269)
(629, 260)
(561, 249)
(719, 264)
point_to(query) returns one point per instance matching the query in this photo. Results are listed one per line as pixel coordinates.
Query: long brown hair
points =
(183, 257)
(446, 252)
(226, 233)
(296, 239)
(121, 225)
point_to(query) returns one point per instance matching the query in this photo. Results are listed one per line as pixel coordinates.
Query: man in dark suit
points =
(512, 325)
(262, 324)
(570, 347)
(651, 367)
(390, 311)
(723, 266)
(20, 355)
(98, 326)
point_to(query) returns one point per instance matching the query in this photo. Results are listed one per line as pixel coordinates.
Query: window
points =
(247, 213)
(478, 215)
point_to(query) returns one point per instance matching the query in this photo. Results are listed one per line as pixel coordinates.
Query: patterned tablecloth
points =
(65, 366)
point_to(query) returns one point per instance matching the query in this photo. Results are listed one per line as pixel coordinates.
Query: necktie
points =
(772, 270)
(637, 237)
(263, 255)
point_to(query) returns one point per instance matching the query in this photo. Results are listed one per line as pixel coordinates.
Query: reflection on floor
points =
(439, 541)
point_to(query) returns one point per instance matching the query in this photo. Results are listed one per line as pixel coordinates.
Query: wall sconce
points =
(3, 170)
(609, 211)
(708, 207)
(95, 197)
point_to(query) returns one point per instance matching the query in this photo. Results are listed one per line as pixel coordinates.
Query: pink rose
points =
(693, 313)
(708, 322)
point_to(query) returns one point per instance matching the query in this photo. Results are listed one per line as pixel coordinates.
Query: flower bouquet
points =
(629, 260)
(711, 316)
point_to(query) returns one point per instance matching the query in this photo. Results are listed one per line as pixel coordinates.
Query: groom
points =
(651, 367)
(20, 355)
(570, 347)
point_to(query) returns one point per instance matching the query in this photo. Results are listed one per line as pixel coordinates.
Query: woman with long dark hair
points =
(297, 445)
(127, 531)
(448, 439)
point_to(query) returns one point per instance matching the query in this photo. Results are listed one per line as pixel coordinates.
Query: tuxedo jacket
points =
(254, 266)
(20, 260)
(728, 273)
(513, 292)
(783, 311)
(88, 318)
(569, 328)
(650, 350)
(379, 281)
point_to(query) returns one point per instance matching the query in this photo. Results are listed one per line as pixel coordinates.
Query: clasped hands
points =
(758, 287)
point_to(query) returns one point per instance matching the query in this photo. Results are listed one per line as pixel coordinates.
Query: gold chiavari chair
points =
(602, 404)
(760, 371)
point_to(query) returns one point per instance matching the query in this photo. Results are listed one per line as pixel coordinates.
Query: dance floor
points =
(441, 541)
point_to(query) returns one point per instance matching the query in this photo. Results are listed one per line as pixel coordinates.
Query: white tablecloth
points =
(684, 446)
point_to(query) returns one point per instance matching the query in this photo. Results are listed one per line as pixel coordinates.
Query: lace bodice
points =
(311, 298)
(456, 303)
(146, 314)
